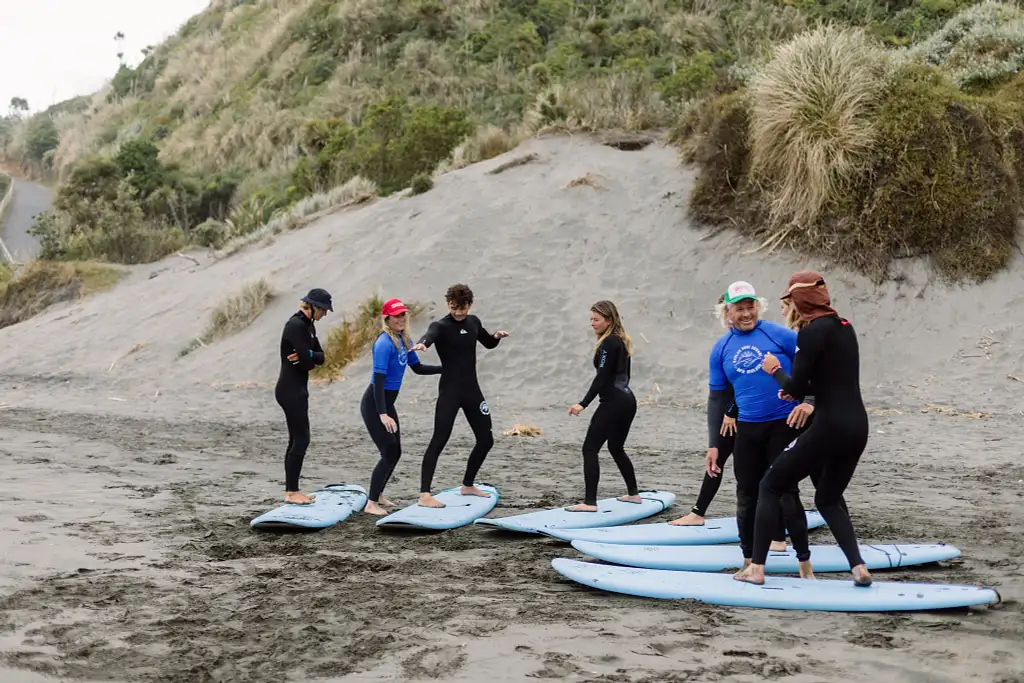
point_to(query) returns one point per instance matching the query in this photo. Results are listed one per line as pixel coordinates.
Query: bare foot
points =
(631, 499)
(692, 519)
(372, 508)
(746, 562)
(753, 573)
(777, 547)
(582, 507)
(861, 576)
(298, 498)
(384, 502)
(806, 570)
(428, 501)
(474, 491)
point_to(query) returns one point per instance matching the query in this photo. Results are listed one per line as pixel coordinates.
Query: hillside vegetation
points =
(863, 129)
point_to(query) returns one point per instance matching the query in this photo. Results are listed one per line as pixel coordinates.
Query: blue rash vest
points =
(736, 359)
(391, 362)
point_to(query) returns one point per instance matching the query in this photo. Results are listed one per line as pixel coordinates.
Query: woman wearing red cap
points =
(827, 358)
(391, 355)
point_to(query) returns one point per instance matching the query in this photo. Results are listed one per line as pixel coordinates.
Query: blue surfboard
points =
(459, 510)
(609, 511)
(833, 595)
(715, 558)
(333, 504)
(721, 530)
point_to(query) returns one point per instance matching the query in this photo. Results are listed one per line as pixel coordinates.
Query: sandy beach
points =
(131, 472)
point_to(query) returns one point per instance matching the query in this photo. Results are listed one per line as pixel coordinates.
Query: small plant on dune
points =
(811, 128)
(234, 313)
(40, 284)
(421, 182)
(345, 341)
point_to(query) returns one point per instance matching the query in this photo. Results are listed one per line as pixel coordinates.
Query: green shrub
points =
(421, 182)
(210, 233)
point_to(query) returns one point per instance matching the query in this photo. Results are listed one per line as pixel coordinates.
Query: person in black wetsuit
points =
(391, 355)
(614, 416)
(827, 358)
(456, 336)
(300, 353)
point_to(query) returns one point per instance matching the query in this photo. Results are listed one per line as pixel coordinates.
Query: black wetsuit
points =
(458, 389)
(292, 391)
(613, 417)
(828, 357)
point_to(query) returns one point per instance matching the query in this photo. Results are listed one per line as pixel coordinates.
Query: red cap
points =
(393, 307)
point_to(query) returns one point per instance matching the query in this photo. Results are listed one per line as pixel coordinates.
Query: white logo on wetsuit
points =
(463, 332)
(484, 410)
(747, 359)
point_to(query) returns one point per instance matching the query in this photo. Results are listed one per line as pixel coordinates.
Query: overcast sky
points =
(51, 50)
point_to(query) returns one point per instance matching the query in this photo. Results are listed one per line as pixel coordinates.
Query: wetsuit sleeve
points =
(734, 410)
(607, 361)
(378, 392)
(296, 335)
(432, 334)
(424, 369)
(718, 401)
(809, 346)
(488, 340)
(381, 355)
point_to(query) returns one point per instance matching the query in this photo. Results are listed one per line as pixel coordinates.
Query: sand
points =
(132, 473)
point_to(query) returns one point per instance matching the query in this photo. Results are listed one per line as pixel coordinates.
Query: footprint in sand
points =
(435, 662)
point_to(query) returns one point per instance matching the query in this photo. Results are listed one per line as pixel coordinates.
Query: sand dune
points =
(98, 406)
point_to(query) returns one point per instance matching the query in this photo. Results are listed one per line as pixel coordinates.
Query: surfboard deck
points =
(714, 531)
(333, 504)
(609, 511)
(459, 510)
(711, 558)
(833, 595)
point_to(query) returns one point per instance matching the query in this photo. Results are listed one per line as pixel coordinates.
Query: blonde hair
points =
(306, 308)
(722, 309)
(793, 319)
(608, 311)
(406, 340)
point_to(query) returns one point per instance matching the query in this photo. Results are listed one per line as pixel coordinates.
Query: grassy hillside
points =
(256, 106)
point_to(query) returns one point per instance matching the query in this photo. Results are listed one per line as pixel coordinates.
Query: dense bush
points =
(392, 144)
(885, 161)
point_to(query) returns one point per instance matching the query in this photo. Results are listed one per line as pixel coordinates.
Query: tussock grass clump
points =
(234, 313)
(811, 127)
(486, 143)
(922, 169)
(40, 284)
(345, 341)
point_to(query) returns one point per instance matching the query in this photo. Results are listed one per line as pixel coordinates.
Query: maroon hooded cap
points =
(811, 301)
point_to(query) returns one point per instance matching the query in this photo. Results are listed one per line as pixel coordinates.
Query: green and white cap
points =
(738, 291)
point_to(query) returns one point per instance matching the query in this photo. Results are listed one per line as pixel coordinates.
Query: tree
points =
(119, 38)
(18, 106)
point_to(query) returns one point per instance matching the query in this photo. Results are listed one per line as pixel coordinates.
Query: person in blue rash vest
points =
(766, 423)
(391, 355)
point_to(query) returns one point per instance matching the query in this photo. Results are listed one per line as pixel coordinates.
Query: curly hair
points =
(460, 295)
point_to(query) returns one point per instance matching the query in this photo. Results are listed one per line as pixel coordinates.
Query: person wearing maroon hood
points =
(827, 358)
